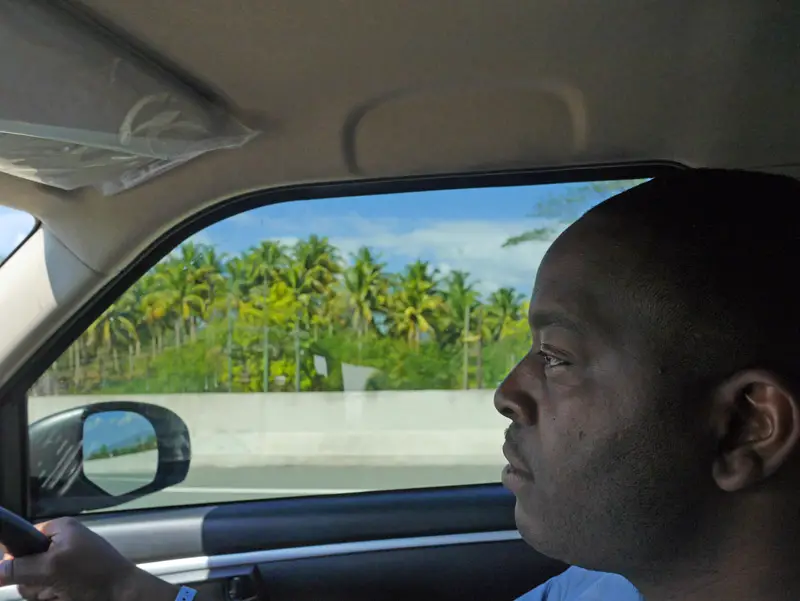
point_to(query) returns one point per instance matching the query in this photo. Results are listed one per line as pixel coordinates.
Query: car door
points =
(293, 400)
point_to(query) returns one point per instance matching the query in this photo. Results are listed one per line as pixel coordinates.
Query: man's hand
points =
(81, 566)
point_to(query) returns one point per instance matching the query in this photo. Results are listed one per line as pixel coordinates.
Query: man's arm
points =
(82, 565)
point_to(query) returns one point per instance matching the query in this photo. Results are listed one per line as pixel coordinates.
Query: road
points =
(217, 485)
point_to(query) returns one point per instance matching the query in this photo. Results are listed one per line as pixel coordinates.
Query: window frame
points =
(14, 489)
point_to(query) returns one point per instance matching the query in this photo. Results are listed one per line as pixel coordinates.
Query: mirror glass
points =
(120, 451)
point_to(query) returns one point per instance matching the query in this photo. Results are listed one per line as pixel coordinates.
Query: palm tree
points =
(495, 320)
(504, 311)
(310, 277)
(277, 309)
(235, 299)
(366, 288)
(129, 306)
(300, 285)
(462, 301)
(319, 257)
(182, 291)
(210, 270)
(483, 333)
(266, 260)
(76, 361)
(154, 309)
(113, 327)
(317, 264)
(415, 302)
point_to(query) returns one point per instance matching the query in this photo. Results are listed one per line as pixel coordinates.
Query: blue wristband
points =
(186, 594)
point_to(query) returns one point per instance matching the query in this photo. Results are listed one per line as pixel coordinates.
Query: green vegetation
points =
(204, 322)
(200, 322)
(145, 444)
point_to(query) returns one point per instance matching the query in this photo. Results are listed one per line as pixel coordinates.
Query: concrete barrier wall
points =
(436, 427)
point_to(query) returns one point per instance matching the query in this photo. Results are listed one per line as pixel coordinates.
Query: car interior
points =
(173, 120)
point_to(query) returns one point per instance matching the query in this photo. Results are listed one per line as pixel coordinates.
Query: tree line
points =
(147, 443)
(253, 322)
(263, 319)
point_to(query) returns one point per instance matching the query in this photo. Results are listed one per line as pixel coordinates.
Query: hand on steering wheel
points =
(19, 536)
(79, 565)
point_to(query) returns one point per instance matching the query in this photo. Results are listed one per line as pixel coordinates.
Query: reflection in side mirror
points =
(120, 451)
(105, 454)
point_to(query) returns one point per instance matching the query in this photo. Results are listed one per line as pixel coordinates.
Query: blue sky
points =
(454, 229)
(14, 226)
(114, 429)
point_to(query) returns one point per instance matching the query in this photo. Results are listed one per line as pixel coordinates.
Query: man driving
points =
(654, 424)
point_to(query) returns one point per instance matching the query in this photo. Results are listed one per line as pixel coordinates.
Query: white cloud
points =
(126, 418)
(14, 226)
(470, 244)
(474, 246)
(200, 238)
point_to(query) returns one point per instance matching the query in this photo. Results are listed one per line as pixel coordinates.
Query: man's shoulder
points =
(577, 584)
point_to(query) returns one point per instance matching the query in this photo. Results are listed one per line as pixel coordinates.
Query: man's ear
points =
(757, 423)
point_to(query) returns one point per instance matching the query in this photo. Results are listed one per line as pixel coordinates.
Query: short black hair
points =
(721, 252)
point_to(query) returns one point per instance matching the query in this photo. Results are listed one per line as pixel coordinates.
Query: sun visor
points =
(77, 110)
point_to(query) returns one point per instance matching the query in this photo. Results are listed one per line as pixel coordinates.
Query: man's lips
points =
(514, 462)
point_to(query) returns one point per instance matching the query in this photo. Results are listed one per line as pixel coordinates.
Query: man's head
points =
(659, 399)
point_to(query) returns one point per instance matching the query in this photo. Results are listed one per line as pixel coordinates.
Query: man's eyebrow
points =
(540, 320)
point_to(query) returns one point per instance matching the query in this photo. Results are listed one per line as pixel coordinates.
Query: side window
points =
(14, 227)
(321, 347)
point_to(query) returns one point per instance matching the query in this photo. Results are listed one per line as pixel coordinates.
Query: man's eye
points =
(551, 361)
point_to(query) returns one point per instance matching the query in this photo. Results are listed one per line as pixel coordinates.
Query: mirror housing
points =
(59, 484)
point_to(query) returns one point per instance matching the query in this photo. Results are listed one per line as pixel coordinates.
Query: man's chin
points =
(530, 528)
(533, 532)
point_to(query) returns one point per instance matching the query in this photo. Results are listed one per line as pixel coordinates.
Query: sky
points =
(453, 229)
(114, 429)
(14, 226)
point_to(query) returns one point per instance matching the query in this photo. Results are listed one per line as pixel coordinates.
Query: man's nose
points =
(514, 398)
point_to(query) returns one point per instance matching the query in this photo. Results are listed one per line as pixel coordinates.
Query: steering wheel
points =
(19, 536)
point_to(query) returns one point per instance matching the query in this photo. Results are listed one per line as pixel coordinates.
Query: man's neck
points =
(755, 562)
(757, 583)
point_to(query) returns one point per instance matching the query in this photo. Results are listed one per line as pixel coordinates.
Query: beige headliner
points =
(484, 83)
(346, 89)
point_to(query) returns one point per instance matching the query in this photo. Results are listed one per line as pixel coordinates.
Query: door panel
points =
(492, 571)
(302, 522)
(452, 543)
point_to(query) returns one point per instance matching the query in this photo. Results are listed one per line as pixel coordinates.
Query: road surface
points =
(218, 485)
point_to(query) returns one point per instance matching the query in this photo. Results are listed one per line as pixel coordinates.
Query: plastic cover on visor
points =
(78, 111)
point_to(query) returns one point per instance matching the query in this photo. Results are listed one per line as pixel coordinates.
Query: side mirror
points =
(105, 454)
